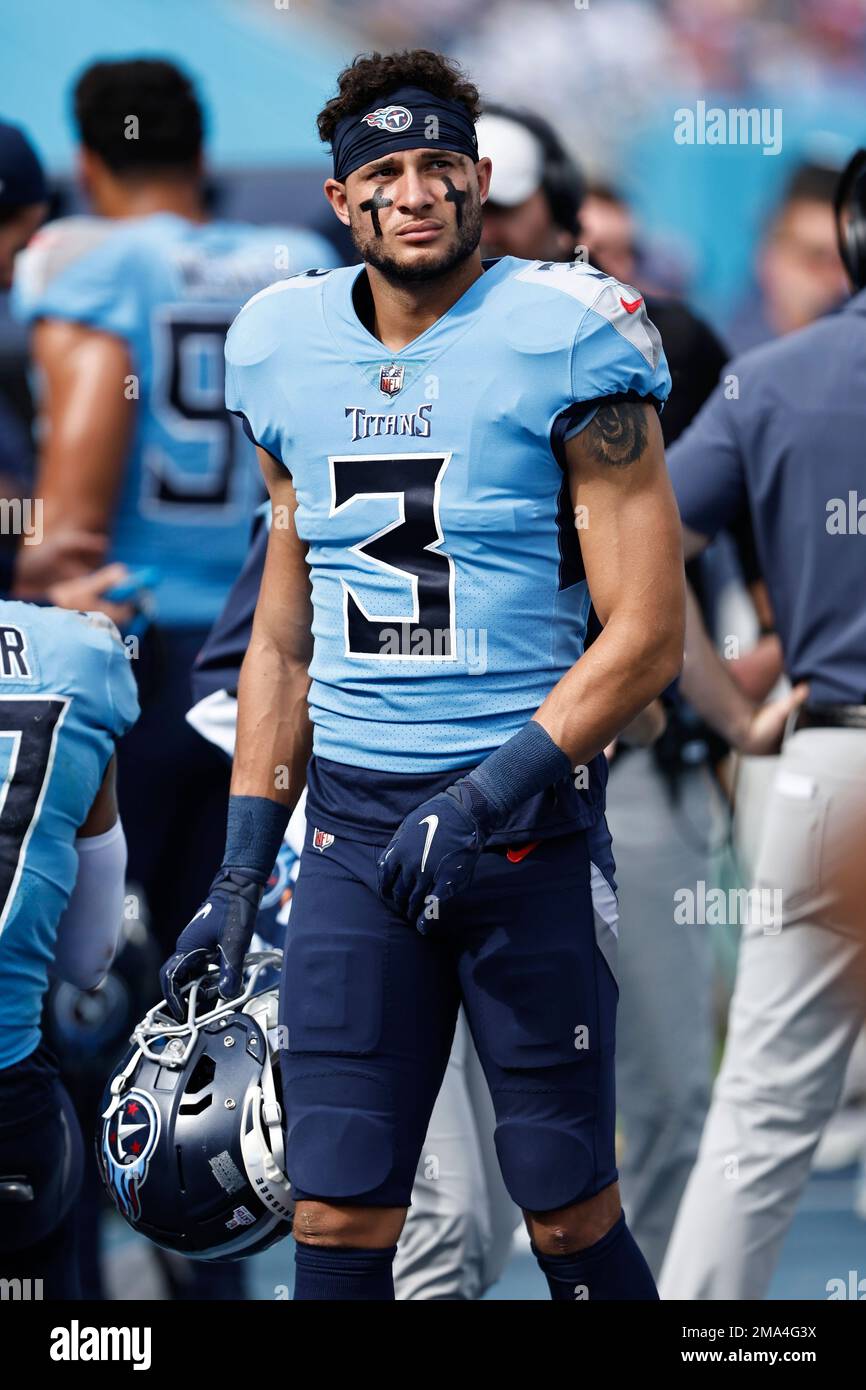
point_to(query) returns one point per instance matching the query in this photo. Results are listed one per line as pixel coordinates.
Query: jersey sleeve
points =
(251, 391)
(706, 468)
(99, 288)
(618, 350)
(121, 709)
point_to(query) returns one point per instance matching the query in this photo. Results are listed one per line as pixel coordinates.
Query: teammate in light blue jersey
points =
(66, 696)
(156, 294)
(166, 289)
(129, 312)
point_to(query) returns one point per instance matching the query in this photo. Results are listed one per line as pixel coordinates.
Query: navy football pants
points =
(370, 1006)
(41, 1161)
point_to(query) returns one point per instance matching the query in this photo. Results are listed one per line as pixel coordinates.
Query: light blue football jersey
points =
(66, 693)
(448, 592)
(170, 288)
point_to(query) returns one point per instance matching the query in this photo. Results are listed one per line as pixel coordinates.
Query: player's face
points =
(14, 236)
(416, 214)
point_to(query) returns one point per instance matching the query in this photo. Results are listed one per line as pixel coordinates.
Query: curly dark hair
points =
(160, 94)
(371, 76)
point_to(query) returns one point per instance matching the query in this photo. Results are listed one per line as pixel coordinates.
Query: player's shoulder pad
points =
(599, 297)
(54, 248)
(263, 322)
(77, 653)
(100, 636)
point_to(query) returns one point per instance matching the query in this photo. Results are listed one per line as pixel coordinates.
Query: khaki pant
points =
(664, 1024)
(798, 1005)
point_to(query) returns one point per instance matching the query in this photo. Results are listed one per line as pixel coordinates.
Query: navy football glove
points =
(219, 933)
(432, 856)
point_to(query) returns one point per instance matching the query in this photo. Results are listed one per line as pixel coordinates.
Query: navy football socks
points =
(613, 1268)
(329, 1274)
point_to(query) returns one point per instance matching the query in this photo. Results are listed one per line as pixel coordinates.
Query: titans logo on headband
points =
(395, 126)
(393, 118)
(129, 1136)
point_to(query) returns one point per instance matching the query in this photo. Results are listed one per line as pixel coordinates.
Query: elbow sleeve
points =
(88, 931)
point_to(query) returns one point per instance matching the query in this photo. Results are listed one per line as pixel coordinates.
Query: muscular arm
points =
(632, 554)
(274, 729)
(87, 424)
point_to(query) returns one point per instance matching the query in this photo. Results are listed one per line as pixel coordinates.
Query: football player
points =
(428, 570)
(66, 695)
(23, 205)
(130, 311)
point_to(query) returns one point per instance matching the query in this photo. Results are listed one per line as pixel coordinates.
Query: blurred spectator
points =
(608, 227)
(597, 72)
(533, 210)
(799, 273)
(23, 196)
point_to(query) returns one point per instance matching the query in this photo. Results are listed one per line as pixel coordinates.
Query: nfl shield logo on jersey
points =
(391, 379)
(322, 840)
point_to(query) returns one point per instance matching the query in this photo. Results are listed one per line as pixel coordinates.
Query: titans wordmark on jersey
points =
(170, 288)
(448, 592)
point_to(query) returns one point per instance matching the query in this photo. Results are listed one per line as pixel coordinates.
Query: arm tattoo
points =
(617, 434)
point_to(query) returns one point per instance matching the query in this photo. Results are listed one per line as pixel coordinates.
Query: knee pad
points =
(545, 1165)
(340, 1136)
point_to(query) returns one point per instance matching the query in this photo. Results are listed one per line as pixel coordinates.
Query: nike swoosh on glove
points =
(219, 933)
(433, 854)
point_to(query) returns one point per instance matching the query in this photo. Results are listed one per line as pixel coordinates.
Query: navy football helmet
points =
(190, 1143)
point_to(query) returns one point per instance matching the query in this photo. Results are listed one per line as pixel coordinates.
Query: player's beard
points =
(467, 239)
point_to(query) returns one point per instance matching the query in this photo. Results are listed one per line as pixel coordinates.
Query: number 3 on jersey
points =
(408, 548)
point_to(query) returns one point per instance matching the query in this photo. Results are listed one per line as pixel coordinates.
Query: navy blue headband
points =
(406, 119)
(22, 181)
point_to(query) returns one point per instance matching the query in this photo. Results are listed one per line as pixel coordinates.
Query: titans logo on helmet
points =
(129, 1138)
(391, 118)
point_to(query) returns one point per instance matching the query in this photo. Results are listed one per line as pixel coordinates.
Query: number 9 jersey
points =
(448, 591)
(170, 288)
(66, 694)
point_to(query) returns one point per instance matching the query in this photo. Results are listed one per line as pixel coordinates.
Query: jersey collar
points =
(361, 345)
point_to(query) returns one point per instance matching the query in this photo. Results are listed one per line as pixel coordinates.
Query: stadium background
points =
(610, 74)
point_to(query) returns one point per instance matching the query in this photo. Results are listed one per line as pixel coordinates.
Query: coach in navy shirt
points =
(784, 435)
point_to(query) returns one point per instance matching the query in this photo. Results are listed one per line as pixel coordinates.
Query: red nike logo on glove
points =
(635, 304)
